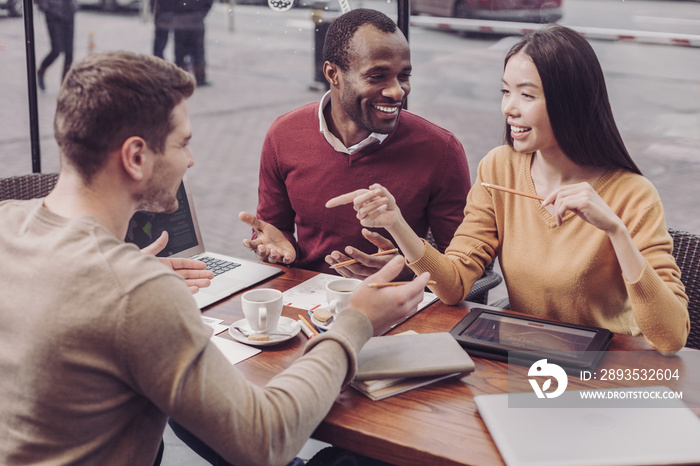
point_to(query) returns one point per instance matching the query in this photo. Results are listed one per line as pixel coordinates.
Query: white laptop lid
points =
(591, 435)
(185, 240)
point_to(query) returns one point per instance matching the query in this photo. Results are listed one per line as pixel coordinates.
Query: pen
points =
(302, 320)
(353, 261)
(384, 285)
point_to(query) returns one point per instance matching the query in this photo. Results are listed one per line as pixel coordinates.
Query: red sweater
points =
(422, 165)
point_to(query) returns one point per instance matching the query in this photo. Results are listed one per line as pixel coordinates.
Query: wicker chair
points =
(27, 186)
(480, 290)
(686, 251)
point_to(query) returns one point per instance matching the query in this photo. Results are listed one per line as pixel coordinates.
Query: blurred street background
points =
(261, 65)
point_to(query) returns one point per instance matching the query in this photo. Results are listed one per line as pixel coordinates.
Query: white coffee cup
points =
(338, 293)
(262, 308)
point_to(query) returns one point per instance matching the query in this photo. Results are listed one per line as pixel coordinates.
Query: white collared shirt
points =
(337, 144)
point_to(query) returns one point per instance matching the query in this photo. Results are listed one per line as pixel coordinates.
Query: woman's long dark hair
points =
(577, 99)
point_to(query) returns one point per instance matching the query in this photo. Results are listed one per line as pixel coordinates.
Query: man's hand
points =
(270, 245)
(385, 306)
(366, 264)
(193, 271)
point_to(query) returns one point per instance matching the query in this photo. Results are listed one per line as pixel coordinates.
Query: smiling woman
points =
(524, 106)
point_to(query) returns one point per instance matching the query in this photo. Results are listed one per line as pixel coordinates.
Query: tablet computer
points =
(493, 334)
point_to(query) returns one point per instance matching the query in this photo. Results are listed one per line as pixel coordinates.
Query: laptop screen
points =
(146, 227)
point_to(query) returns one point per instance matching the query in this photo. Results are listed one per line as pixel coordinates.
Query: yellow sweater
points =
(568, 273)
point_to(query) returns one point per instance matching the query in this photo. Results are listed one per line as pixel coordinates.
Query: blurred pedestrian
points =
(188, 24)
(186, 19)
(163, 20)
(60, 15)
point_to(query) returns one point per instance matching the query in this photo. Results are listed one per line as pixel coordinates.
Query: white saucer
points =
(285, 325)
(320, 324)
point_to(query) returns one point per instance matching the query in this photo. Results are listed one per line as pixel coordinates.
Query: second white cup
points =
(262, 308)
(338, 293)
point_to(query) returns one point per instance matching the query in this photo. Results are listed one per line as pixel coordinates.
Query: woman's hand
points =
(582, 199)
(375, 207)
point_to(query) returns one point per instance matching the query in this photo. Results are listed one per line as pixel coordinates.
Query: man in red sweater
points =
(356, 136)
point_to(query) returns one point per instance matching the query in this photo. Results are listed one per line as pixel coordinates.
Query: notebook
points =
(411, 355)
(231, 274)
(591, 435)
(389, 365)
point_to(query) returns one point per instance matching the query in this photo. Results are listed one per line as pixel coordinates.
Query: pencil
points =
(303, 320)
(353, 261)
(512, 191)
(384, 285)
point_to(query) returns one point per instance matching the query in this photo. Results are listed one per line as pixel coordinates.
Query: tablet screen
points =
(511, 331)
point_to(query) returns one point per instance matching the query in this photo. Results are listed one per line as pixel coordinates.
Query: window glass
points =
(261, 63)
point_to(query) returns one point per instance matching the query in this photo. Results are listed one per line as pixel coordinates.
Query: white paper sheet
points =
(235, 352)
(215, 324)
(312, 293)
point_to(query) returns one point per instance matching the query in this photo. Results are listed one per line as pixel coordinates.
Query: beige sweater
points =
(570, 272)
(99, 344)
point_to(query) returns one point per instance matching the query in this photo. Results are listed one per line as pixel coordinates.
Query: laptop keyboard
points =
(218, 266)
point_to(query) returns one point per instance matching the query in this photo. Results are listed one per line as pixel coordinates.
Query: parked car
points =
(532, 11)
(13, 7)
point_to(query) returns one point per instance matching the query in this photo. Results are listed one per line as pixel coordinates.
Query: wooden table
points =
(438, 424)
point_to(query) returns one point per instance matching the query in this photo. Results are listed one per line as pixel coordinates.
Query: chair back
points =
(27, 186)
(686, 251)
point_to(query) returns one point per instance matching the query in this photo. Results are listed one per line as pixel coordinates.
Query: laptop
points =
(590, 434)
(231, 274)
